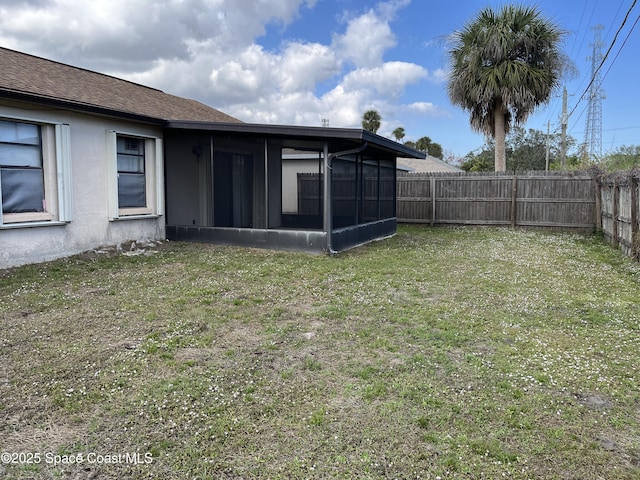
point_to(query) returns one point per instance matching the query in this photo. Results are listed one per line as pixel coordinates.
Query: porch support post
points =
(212, 213)
(266, 183)
(328, 169)
(327, 220)
(378, 186)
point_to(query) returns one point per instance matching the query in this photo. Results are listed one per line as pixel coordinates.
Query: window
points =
(135, 179)
(34, 173)
(131, 181)
(21, 168)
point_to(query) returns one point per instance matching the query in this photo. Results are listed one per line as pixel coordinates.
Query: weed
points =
(312, 364)
(318, 417)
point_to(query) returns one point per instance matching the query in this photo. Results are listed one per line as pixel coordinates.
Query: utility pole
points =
(563, 134)
(546, 156)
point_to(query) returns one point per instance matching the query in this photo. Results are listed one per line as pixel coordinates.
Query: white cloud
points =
(246, 77)
(300, 108)
(389, 8)
(304, 65)
(344, 108)
(210, 50)
(134, 33)
(439, 75)
(390, 78)
(366, 40)
(427, 109)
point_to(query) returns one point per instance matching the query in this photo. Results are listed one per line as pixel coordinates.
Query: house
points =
(425, 165)
(88, 160)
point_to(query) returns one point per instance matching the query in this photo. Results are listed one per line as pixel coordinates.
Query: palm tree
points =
(398, 134)
(435, 150)
(371, 121)
(503, 65)
(423, 144)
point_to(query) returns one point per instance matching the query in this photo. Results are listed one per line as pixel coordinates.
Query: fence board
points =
(619, 203)
(545, 201)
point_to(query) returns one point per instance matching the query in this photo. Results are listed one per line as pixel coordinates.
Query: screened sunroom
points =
(267, 185)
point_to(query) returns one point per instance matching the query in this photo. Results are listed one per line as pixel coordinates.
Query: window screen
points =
(21, 174)
(131, 179)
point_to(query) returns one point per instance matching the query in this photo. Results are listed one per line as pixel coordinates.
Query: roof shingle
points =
(426, 165)
(33, 76)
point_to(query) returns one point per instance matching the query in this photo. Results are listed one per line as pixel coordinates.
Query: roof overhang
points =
(338, 138)
(76, 106)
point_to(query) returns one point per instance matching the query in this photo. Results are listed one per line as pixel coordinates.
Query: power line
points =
(621, 47)
(585, 33)
(596, 70)
(584, 8)
(579, 117)
(620, 128)
(604, 59)
(555, 107)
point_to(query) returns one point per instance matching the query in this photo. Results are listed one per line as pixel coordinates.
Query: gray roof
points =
(425, 165)
(26, 77)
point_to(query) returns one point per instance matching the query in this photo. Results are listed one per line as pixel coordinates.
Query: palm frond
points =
(504, 61)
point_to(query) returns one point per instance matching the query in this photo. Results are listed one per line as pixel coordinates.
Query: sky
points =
(302, 62)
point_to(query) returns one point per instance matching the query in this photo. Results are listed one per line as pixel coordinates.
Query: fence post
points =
(635, 240)
(616, 208)
(598, 193)
(432, 186)
(514, 195)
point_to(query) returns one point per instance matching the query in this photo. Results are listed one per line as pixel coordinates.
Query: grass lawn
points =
(439, 353)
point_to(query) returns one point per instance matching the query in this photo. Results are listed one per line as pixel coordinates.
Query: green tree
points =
(479, 162)
(423, 144)
(624, 158)
(398, 134)
(371, 121)
(435, 150)
(503, 65)
(525, 150)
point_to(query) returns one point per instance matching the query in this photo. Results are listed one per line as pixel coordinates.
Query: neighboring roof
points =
(426, 165)
(27, 77)
(338, 138)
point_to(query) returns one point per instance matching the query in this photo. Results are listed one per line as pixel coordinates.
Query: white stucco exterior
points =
(292, 165)
(91, 222)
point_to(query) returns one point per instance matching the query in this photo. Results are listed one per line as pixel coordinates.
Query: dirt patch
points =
(594, 401)
(49, 437)
(128, 248)
(608, 444)
(197, 355)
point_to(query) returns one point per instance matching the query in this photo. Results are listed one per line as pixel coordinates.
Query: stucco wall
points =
(90, 227)
(290, 170)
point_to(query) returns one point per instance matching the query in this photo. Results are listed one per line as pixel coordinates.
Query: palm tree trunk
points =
(500, 134)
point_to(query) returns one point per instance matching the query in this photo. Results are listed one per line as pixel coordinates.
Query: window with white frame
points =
(34, 173)
(136, 176)
(131, 173)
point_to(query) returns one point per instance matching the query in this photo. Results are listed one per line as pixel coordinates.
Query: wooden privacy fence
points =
(619, 203)
(566, 202)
